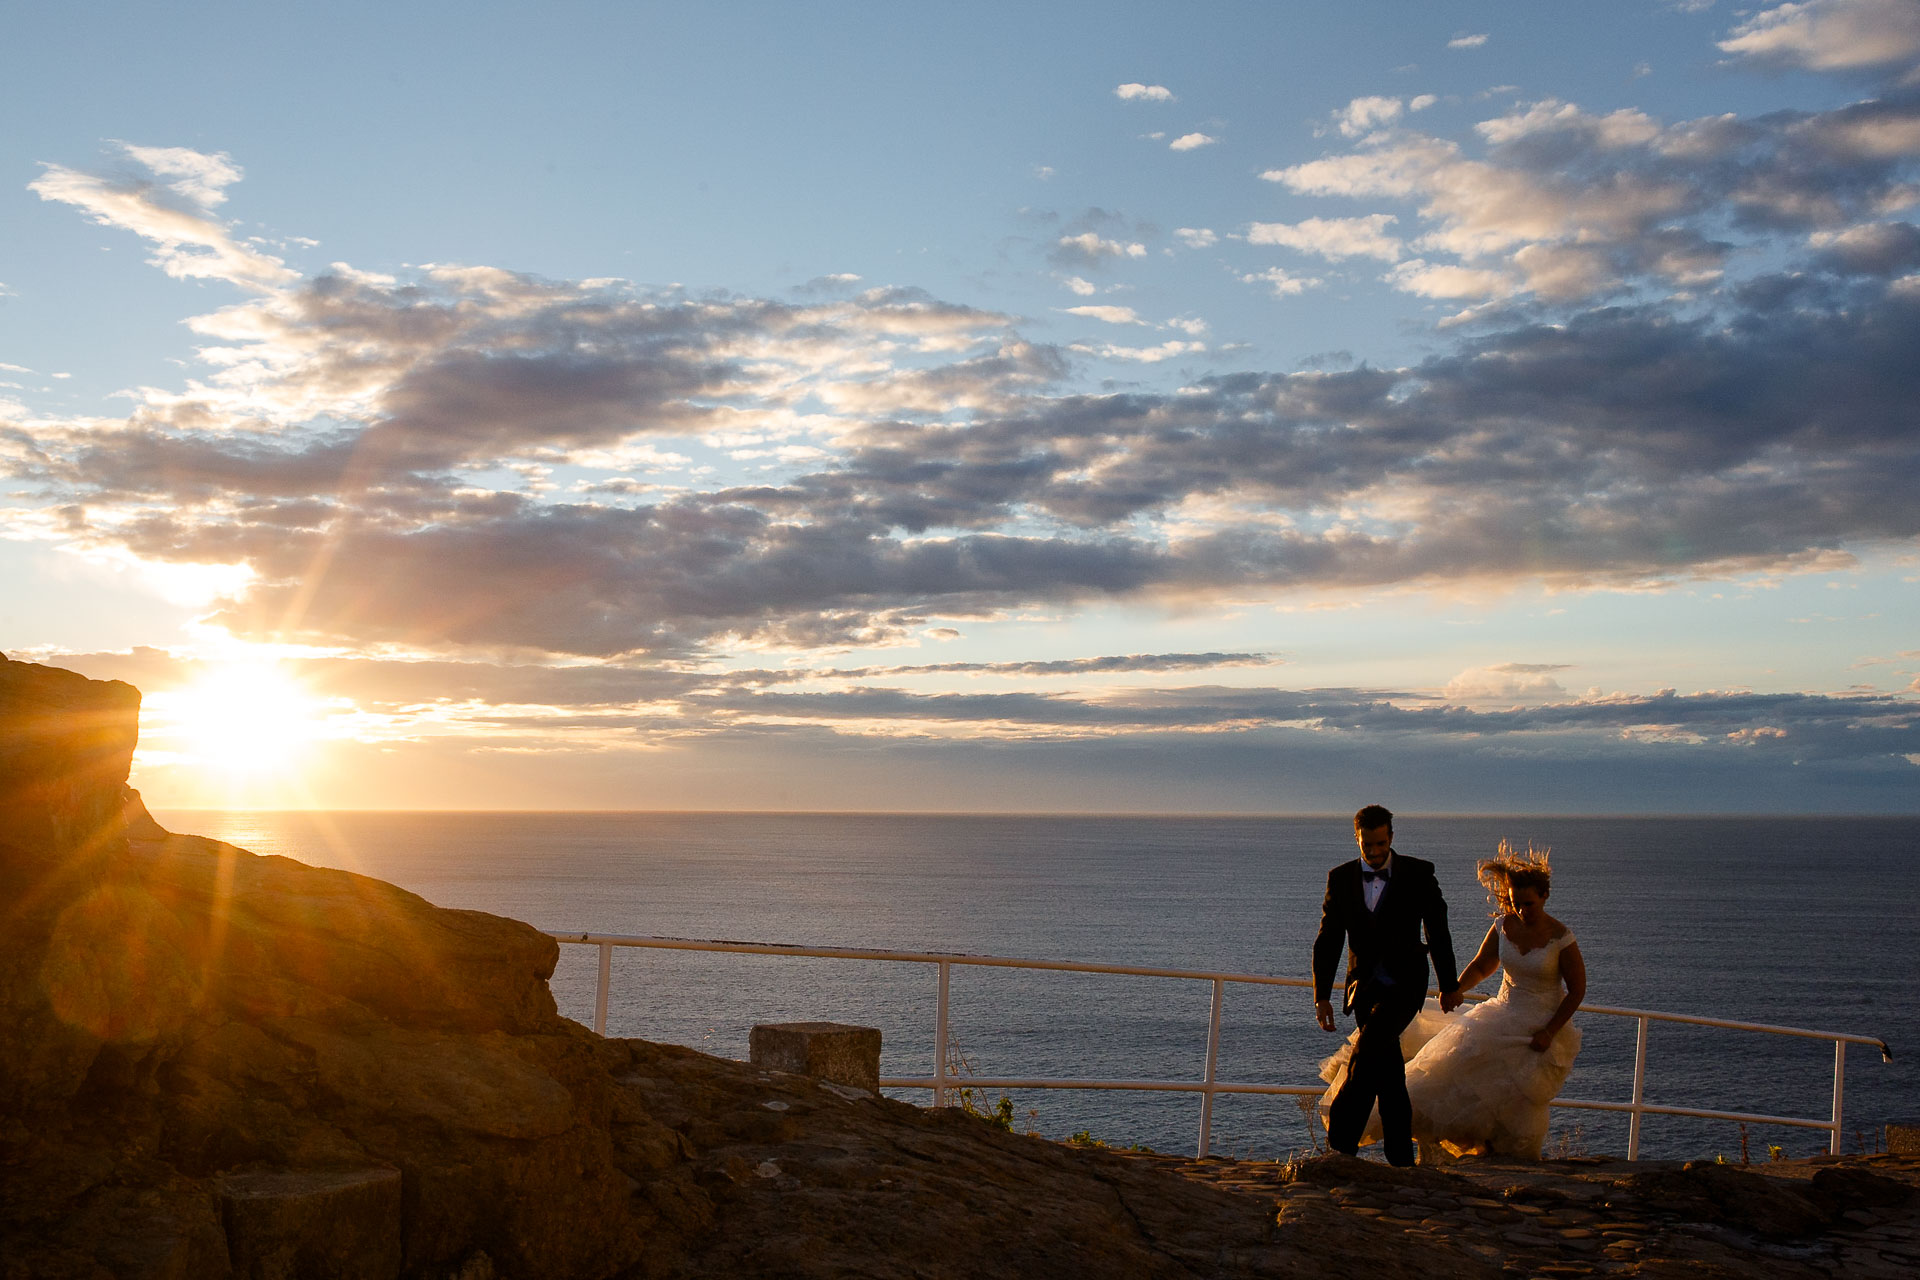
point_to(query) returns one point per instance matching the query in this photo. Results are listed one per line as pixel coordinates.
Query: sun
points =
(240, 719)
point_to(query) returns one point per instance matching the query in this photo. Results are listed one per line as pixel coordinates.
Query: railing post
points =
(600, 995)
(1213, 1063)
(1639, 1090)
(940, 1041)
(1839, 1090)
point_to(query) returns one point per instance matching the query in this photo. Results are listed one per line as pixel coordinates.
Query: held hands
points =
(1541, 1039)
(1323, 1013)
(1451, 999)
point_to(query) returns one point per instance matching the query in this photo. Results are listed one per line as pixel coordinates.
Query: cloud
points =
(1169, 350)
(1506, 683)
(653, 735)
(834, 285)
(198, 177)
(1875, 248)
(1111, 315)
(1085, 288)
(391, 685)
(1831, 35)
(1804, 730)
(1467, 41)
(1623, 446)
(1364, 115)
(1134, 92)
(1332, 238)
(189, 243)
(467, 460)
(676, 702)
(1444, 280)
(1623, 128)
(1196, 237)
(1191, 141)
(1090, 249)
(1282, 283)
(1107, 665)
(1569, 205)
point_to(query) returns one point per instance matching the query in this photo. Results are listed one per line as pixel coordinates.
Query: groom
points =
(1377, 904)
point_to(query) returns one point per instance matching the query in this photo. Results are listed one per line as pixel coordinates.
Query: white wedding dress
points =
(1476, 1082)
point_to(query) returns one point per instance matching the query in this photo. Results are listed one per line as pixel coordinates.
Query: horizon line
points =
(1410, 815)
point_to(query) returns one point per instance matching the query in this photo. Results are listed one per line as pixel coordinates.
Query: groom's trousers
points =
(1377, 1073)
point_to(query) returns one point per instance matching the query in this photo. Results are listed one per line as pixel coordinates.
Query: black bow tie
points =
(1368, 875)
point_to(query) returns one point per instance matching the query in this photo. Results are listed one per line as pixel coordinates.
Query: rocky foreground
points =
(216, 1064)
(1854, 1216)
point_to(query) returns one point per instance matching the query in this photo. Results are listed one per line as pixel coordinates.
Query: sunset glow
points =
(245, 721)
(1502, 407)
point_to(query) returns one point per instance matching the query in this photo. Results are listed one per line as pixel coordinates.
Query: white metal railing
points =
(1210, 1085)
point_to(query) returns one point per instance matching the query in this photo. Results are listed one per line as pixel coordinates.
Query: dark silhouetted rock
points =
(66, 746)
(312, 1224)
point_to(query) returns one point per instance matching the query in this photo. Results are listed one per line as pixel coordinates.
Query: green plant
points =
(998, 1113)
(1776, 1152)
(1085, 1138)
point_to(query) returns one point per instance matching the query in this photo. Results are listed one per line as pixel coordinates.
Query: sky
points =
(1252, 408)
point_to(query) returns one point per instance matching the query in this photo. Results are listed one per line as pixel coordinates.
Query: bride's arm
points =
(1484, 963)
(1573, 971)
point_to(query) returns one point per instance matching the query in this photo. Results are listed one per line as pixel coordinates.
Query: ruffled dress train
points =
(1476, 1082)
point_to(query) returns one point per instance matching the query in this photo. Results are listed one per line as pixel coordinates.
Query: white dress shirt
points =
(1374, 888)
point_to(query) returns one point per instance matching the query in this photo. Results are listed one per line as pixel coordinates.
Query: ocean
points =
(1805, 922)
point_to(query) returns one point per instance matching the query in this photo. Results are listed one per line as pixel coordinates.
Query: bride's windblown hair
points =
(1512, 869)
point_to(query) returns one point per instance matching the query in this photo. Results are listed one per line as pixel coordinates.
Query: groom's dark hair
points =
(1372, 818)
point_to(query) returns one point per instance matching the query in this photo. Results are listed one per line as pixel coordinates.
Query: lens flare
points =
(240, 720)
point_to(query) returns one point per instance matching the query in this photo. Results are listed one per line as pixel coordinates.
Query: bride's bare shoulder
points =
(1556, 929)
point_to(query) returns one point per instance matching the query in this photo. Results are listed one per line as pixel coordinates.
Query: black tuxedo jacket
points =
(1387, 936)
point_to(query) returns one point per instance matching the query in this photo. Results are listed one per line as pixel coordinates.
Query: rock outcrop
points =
(216, 1064)
(66, 745)
(183, 1016)
(225, 1064)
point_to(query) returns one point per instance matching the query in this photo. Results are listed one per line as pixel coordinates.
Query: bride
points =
(1480, 1081)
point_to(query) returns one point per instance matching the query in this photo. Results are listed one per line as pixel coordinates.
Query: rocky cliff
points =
(216, 1064)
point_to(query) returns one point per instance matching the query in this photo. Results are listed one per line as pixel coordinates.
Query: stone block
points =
(833, 1051)
(313, 1224)
(1904, 1139)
